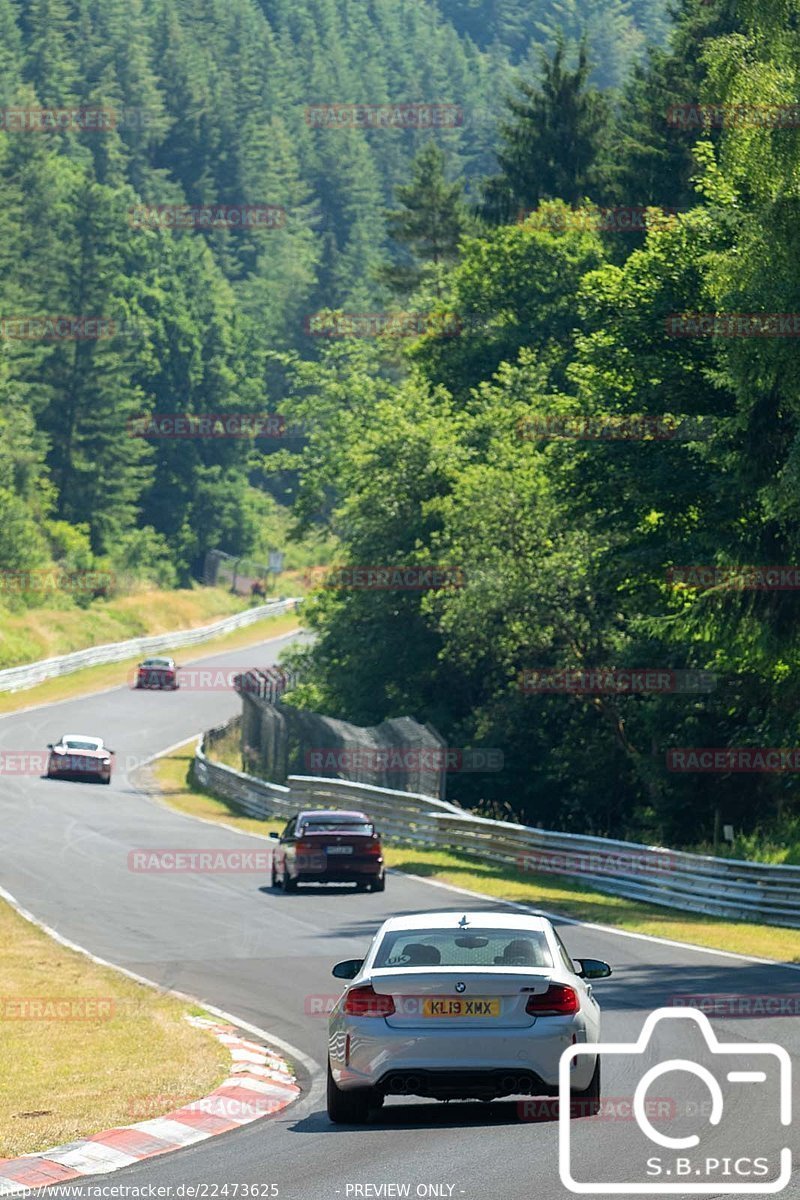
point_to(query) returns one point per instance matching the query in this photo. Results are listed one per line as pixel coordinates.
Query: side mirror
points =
(108, 751)
(49, 745)
(348, 969)
(593, 968)
(275, 836)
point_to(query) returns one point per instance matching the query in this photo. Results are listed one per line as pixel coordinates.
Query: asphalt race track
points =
(266, 959)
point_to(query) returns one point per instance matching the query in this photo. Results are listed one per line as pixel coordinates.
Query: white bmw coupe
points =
(461, 1006)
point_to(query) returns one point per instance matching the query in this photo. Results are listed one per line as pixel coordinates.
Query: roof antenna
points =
(463, 922)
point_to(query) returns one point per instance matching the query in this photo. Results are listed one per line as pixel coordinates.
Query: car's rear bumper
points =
(466, 1085)
(56, 774)
(334, 868)
(339, 872)
(55, 771)
(447, 1060)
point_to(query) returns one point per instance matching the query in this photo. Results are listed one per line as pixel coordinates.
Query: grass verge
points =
(35, 633)
(95, 679)
(170, 775)
(553, 894)
(125, 1054)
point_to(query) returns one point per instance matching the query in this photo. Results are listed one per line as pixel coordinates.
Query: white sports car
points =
(451, 1006)
(76, 756)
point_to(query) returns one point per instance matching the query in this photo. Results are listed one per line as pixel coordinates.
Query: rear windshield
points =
(337, 827)
(74, 744)
(462, 948)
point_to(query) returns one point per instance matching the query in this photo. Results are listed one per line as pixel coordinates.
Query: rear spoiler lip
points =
(465, 972)
(529, 981)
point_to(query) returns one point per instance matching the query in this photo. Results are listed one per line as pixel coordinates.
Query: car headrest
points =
(420, 955)
(519, 953)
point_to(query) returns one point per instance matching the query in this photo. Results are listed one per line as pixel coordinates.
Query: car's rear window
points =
(363, 827)
(74, 744)
(464, 948)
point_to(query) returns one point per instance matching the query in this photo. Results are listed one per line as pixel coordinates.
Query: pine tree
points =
(98, 468)
(10, 53)
(553, 148)
(51, 62)
(650, 161)
(428, 226)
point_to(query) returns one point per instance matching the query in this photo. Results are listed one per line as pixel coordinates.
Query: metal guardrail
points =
(14, 679)
(722, 887)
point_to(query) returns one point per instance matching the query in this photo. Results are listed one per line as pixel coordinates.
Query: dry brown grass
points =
(128, 1054)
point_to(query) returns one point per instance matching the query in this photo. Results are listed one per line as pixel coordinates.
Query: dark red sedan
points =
(329, 846)
(159, 673)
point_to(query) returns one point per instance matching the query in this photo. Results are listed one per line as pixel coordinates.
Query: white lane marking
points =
(91, 1158)
(173, 1131)
(279, 637)
(645, 937)
(245, 1056)
(256, 1086)
(270, 1038)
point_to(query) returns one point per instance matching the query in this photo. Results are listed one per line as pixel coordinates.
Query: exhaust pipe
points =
(403, 1085)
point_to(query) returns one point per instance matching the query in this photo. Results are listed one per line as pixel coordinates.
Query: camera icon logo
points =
(761, 1067)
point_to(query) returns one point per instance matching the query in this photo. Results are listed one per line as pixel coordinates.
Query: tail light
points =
(306, 847)
(558, 1001)
(373, 846)
(364, 1001)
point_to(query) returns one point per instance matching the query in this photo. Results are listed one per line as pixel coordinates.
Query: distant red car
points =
(160, 673)
(329, 846)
